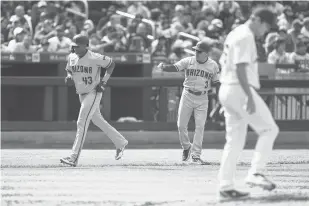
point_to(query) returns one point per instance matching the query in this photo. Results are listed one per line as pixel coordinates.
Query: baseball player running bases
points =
(200, 71)
(84, 68)
(243, 106)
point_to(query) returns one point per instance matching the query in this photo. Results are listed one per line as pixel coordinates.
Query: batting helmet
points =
(202, 46)
(80, 40)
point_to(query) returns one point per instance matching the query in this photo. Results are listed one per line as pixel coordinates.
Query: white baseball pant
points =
(90, 110)
(233, 99)
(199, 105)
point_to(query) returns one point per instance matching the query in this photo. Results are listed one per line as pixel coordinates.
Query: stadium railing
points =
(290, 109)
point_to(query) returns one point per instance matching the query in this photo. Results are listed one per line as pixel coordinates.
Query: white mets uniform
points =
(239, 47)
(198, 78)
(86, 75)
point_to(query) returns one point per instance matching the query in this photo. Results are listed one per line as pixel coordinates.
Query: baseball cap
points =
(179, 7)
(18, 30)
(80, 39)
(42, 4)
(217, 23)
(202, 46)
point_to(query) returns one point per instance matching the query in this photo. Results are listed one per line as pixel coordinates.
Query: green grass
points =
(142, 177)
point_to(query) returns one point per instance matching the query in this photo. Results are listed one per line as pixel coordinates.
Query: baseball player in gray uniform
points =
(243, 106)
(84, 69)
(200, 72)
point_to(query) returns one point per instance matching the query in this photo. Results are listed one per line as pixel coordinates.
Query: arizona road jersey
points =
(239, 47)
(86, 70)
(198, 76)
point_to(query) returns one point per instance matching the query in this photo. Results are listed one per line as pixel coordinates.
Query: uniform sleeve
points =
(242, 51)
(216, 76)
(182, 64)
(105, 61)
(68, 68)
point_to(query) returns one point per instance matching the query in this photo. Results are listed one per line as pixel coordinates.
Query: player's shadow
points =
(282, 197)
(274, 198)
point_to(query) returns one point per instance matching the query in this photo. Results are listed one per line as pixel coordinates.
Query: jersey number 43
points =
(87, 80)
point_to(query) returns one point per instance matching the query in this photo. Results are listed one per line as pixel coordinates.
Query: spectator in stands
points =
(183, 25)
(139, 42)
(214, 5)
(178, 52)
(160, 47)
(227, 11)
(43, 17)
(305, 30)
(155, 15)
(71, 31)
(289, 45)
(186, 22)
(278, 55)
(23, 18)
(277, 7)
(121, 43)
(114, 21)
(295, 31)
(205, 18)
(179, 12)
(59, 43)
(300, 7)
(95, 44)
(137, 7)
(214, 30)
(88, 28)
(25, 46)
(46, 32)
(4, 28)
(300, 56)
(44, 46)
(110, 39)
(286, 18)
(270, 42)
(4, 47)
(19, 34)
(196, 10)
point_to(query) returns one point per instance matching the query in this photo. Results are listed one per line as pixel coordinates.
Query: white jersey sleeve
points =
(182, 64)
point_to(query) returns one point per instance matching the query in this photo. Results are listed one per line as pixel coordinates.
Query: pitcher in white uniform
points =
(84, 68)
(243, 106)
(200, 72)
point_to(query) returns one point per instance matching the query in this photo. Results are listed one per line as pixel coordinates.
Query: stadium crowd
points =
(49, 26)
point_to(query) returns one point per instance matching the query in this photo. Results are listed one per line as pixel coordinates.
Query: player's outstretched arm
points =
(167, 67)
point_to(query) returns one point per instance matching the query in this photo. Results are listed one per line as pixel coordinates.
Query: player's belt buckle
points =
(197, 93)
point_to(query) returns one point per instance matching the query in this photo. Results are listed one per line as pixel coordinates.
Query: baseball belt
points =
(197, 93)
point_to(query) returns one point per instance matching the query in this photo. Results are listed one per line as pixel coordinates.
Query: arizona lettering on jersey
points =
(86, 70)
(198, 77)
(239, 47)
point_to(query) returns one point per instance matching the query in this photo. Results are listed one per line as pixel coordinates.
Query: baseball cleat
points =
(186, 154)
(119, 152)
(69, 161)
(230, 195)
(259, 180)
(199, 161)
